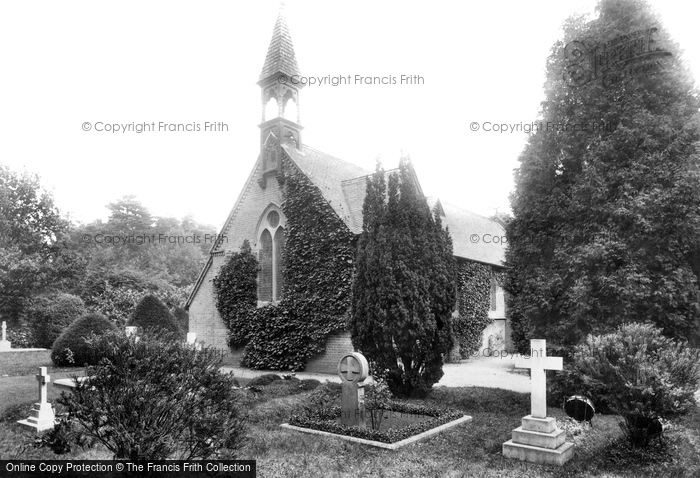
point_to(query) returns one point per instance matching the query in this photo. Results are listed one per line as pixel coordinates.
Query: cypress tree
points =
(404, 284)
(606, 206)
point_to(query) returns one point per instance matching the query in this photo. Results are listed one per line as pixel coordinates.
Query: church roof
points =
(280, 54)
(327, 173)
(343, 185)
(474, 237)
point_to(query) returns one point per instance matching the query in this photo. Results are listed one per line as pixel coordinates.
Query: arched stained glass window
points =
(271, 241)
(265, 275)
(279, 263)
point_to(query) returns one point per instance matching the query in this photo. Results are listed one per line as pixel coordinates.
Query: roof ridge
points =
(334, 157)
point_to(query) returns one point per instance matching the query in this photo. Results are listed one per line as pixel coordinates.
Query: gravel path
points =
(490, 372)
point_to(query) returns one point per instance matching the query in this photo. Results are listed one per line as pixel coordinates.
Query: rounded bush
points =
(152, 314)
(70, 349)
(639, 374)
(49, 315)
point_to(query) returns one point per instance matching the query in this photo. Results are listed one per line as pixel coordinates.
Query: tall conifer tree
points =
(606, 225)
(404, 284)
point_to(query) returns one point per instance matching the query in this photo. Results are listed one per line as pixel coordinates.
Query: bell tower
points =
(280, 87)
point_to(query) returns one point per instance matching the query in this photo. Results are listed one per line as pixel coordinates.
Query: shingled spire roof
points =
(280, 55)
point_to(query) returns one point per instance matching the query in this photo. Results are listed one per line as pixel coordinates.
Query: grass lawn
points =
(471, 449)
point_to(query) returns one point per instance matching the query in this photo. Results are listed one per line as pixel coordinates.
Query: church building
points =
(257, 215)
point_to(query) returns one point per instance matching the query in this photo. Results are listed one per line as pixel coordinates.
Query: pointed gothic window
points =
(271, 256)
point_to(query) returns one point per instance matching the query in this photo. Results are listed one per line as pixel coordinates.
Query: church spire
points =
(280, 86)
(280, 59)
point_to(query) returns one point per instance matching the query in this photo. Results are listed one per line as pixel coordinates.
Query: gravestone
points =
(42, 416)
(353, 370)
(538, 440)
(5, 345)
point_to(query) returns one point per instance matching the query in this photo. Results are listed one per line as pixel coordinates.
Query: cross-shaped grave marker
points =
(538, 363)
(353, 370)
(538, 439)
(42, 416)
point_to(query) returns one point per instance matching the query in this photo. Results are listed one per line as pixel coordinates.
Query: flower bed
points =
(328, 421)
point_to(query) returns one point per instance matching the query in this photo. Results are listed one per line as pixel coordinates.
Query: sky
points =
(67, 64)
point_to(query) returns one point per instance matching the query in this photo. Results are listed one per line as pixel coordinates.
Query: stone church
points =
(257, 214)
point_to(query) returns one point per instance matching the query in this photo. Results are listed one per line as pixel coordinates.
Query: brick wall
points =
(336, 346)
(204, 318)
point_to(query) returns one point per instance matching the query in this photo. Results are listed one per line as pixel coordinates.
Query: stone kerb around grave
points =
(353, 370)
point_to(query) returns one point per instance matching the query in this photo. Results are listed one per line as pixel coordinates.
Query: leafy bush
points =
(321, 401)
(49, 315)
(155, 399)
(151, 313)
(72, 349)
(20, 336)
(641, 375)
(182, 318)
(377, 396)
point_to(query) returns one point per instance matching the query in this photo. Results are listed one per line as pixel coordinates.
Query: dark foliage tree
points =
(71, 349)
(34, 257)
(151, 313)
(606, 226)
(403, 291)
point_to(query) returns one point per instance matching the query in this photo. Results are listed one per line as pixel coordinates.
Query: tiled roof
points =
(327, 173)
(343, 185)
(280, 55)
(474, 237)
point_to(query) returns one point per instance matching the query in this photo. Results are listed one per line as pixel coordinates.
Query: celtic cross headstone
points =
(353, 370)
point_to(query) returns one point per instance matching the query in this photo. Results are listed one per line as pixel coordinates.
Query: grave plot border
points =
(442, 419)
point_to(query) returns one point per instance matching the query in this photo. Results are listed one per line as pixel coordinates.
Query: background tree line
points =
(52, 270)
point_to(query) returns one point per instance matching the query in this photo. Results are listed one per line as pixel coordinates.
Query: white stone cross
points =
(538, 362)
(43, 378)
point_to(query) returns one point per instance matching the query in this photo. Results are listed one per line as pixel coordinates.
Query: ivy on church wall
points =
(318, 267)
(474, 284)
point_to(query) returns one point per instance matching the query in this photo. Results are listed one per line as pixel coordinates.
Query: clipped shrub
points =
(72, 349)
(49, 315)
(165, 400)
(641, 375)
(152, 314)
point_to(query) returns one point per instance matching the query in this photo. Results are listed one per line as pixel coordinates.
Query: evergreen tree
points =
(404, 285)
(151, 313)
(606, 227)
